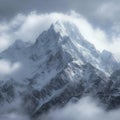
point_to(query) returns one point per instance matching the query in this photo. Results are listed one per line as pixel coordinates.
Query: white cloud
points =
(6, 67)
(28, 27)
(3, 42)
(86, 109)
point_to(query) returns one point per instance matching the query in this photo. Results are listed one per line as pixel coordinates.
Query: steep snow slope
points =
(61, 39)
(60, 65)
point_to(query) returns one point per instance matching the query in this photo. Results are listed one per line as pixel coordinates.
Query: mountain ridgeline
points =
(60, 67)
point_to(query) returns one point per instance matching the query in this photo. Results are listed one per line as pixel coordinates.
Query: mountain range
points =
(60, 67)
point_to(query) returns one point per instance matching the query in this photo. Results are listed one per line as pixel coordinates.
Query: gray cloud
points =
(101, 14)
(13, 111)
(104, 13)
(86, 109)
(9, 8)
(28, 28)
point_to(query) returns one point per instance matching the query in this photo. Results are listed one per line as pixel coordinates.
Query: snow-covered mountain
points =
(59, 66)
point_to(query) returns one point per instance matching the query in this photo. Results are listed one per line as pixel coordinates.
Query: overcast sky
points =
(103, 13)
(98, 11)
(101, 18)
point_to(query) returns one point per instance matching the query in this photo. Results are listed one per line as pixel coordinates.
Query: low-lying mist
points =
(13, 111)
(86, 108)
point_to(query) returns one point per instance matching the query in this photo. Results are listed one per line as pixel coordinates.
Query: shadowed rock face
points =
(7, 92)
(58, 69)
(61, 90)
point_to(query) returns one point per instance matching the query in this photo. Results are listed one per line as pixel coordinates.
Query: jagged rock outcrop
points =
(59, 66)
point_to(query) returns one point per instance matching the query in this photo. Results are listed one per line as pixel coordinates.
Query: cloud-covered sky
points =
(8, 8)
(98, 11)
(101, 20)
(29, 27)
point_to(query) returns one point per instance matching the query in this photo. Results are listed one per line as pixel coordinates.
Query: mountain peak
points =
(59, 27)
(66, 29)
(61, 64)
(64, 38)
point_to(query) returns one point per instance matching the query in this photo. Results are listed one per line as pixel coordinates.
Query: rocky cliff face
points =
(60, 66)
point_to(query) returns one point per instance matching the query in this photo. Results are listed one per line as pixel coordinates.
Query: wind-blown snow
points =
(28, 27)
(61, 51)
